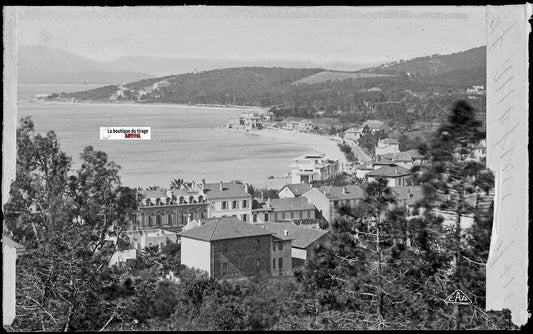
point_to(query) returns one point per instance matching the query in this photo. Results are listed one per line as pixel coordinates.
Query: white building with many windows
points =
(313, 167)
(228, 199)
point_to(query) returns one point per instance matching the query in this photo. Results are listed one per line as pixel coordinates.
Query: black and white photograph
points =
(242, 168)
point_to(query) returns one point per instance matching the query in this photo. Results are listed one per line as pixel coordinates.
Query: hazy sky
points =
(353, 34)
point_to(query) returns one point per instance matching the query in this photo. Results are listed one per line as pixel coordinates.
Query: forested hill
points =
(422, 88)
(237, 86)
(436, 64)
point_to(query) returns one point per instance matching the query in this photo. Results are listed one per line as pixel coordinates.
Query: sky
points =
(317, 34)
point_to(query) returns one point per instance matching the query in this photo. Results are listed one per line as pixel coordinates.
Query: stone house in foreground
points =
(227, 247)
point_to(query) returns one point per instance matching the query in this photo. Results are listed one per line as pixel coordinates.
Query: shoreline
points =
(170, 105)
(318, 143)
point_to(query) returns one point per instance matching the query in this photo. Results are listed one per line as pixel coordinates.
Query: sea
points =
(186, 142)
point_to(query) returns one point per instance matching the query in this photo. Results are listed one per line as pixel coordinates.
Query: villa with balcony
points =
(313, 167)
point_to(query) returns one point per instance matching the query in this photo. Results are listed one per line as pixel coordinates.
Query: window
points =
(254, 218)
(280, 246)
(266, 217)
(273, 263)
(300, 214)
(283, 215)
(224, 269)
(280, 263)
(244, 203)
(234, 205)
(335, 204)
(158, 220)
(169, 220)
(244, 217)
(224, 205)
(292, 214)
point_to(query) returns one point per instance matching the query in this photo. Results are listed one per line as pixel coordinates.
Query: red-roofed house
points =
(313, 167)
(401, 159)
(169, 209)
(227, 247)
(387, 145)
(407, 198)
(282, 209)
(303, 239)
(294, 190)
(362, 169)
(417, 157)
(228, 199)
(396, 176)
(327, 199)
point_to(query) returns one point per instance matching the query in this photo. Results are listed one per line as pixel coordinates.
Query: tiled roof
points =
(374, 124)
(415, 154)
(383, 162)
(388, 171)
(158, 193)
(298, 189)
(390, 141)
(285, 204)
(185, 192)
(223, 228)
(302, 237)
(365, 165)
(411, 194)
(352, 130)
(400, 156)
(336, 193)
(229, 190)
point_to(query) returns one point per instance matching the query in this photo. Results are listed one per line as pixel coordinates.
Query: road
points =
(359, 153)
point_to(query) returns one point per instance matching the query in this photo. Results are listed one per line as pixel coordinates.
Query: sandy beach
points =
(316, 143)
(135, 104)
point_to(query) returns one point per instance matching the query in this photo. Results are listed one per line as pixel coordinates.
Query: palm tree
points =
(176, 183)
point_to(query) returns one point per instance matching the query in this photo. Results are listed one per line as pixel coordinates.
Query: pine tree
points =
(449, 182)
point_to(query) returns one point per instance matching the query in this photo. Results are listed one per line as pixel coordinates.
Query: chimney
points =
(221, 186)
(261, 196)
(286, 233)
(188, 219)
(268, 202)
(344, 190)
(199, 222)
(246, 187)
(203, 184)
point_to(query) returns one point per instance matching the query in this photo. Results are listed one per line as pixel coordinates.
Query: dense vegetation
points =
(421, 89)
(376, 269)
(472, 58)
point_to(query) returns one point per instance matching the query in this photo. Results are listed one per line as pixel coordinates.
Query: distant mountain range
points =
(40, 64)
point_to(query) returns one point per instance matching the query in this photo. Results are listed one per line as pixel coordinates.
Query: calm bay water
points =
(185, 143)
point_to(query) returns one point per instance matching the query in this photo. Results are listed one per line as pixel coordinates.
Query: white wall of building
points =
(299, 253)
(196, 254)
(215, 209)
(286, 193)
